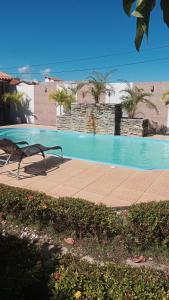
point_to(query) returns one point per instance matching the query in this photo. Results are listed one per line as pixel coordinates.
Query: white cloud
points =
(24, 69)
(46, 72)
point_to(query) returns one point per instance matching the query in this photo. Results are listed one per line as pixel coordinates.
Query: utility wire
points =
(89, 58)
(100, 68)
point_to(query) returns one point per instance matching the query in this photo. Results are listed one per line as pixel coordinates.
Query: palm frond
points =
(150, 105)
(165, 97)
(62, 97)
(134, 96)
(15, 97)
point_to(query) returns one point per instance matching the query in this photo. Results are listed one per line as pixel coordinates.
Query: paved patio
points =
(113, 186)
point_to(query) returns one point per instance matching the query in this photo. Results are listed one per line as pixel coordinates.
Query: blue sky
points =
(39, 37)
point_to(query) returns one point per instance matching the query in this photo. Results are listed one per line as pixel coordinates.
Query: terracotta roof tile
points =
(4, 76)
(14, 81)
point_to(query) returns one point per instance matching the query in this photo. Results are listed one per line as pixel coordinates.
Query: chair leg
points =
(18, 169)
(62, 155)
(8, 159)
(5, 162)
(44, 160)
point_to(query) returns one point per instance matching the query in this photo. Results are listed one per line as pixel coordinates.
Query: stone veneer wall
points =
(98, 118)
(64, 122)
(137, 127)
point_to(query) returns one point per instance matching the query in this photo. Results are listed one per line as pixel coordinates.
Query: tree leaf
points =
(139, 33)
(137, 14)
(139, 259)
(142, 12)
(165, 8)
(127, 6)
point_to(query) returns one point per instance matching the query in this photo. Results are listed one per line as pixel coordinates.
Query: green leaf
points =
(139, 33)
(127, 5)
(142, 12)
(137, 14)
(165, 8)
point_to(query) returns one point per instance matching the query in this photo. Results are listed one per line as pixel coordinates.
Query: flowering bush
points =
(143, 224)
(80, 217)
(148, 224)
(81, 280)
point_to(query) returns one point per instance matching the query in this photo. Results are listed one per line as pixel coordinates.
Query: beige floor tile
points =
(62, 191)
(140, 181)
(114, 202)
(124, 195)
(97, 198)
(148, 197)
(78, 183)
(108, 182)
(4, 178)
(161, 185)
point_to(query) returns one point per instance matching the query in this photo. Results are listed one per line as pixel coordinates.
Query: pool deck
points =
(113, 186)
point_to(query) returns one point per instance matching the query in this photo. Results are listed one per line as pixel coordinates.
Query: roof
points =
(5, 77)
(54, 78)
(14, 81)
(18, 81)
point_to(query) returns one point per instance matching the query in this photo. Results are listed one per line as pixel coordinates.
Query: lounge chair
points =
(14, 151)
(4, 145)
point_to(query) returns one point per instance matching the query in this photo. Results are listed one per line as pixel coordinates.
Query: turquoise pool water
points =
(133, 152)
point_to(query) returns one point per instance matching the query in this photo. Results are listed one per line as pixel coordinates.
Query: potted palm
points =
(131, 98)
(97, 85)
(63, 98)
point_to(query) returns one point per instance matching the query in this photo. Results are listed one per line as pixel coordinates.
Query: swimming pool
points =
(133, 152)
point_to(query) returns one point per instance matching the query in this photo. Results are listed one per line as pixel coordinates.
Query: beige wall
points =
(44, 110)
(83, 96)
(159, 89)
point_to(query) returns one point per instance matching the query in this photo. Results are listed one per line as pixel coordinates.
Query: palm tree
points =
(8, 98)
(63, 97)
(97, 85)
(133, 97)
(165, 97)
(14, 97)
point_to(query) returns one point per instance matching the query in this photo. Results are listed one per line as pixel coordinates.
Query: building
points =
(46, 110)
(37, 109)
(4, 87)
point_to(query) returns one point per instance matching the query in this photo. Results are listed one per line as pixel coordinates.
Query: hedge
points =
(81, 217)
(80, 280)
(25, 276)
(148, 223)
(22, 271)
(144, 224)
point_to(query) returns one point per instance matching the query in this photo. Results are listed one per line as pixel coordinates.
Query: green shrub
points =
(22, 274)
(148, 223)
(64, 214)
(145, 224)
(80, 280)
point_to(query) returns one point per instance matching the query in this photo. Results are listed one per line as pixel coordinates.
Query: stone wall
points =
(91, 118)
(137, 127)
(64, 122)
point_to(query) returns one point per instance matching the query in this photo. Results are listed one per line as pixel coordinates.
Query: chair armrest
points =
(29, 147)
(22, 143)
